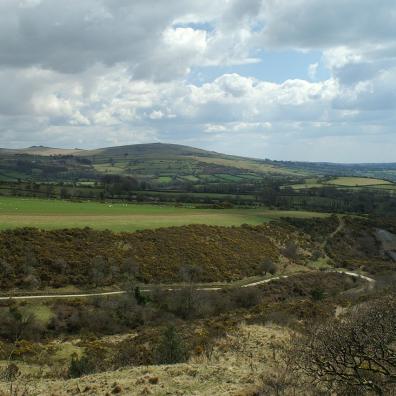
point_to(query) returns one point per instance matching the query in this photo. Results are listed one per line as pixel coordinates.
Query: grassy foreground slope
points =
(223, 356)
(54, 214)
(228, 372)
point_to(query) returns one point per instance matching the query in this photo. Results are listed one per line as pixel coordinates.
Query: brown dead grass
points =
(234, 367)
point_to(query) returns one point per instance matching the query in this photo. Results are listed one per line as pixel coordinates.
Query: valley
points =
(122, 265)
(197, 198)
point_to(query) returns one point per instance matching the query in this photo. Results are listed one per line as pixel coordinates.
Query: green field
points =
(190, 178)
(164, 179)
(250, 165)
(306, 185)
(55, 214)
(345, 182)
(228, 178)
(357, 181)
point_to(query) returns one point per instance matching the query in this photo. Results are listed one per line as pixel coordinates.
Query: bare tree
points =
(98, 270)
(355, 353)
(60, 265)
(130, 268)
(190, 273)
(31, 281)
(187, 297)
(6, 268)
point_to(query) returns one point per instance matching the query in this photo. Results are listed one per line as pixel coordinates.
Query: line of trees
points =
(269, 192)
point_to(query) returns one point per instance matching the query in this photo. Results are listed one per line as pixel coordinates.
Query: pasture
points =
(357, 181)
(57, 214)
(346, 183)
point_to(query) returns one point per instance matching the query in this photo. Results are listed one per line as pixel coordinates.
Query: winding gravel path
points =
(114, 293)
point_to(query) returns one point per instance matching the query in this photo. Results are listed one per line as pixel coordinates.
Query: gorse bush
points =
(93, 360)
(34, 258)
(317, 294)
(80, 366)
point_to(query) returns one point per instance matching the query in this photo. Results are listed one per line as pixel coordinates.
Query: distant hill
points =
(150, 150)
(168, 165)
(40, 150)
(157, 160)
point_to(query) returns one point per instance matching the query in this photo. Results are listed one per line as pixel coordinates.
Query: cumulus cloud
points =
(72, 36)
(312, 70)
(326, 24)
(100, 72)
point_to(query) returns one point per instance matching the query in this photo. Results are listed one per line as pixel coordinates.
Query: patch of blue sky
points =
(274, 66)
(195, 25)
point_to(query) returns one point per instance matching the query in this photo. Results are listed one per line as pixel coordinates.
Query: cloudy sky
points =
(310, 80)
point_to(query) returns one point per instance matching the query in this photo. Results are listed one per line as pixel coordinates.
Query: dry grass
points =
(235, 366)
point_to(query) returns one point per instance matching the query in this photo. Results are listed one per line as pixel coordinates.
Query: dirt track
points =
(208, 288)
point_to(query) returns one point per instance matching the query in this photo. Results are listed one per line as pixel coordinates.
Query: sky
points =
(307, 80)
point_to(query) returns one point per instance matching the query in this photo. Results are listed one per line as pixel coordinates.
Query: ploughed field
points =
(56, 214)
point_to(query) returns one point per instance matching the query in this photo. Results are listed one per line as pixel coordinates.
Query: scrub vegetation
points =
(163, 269)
